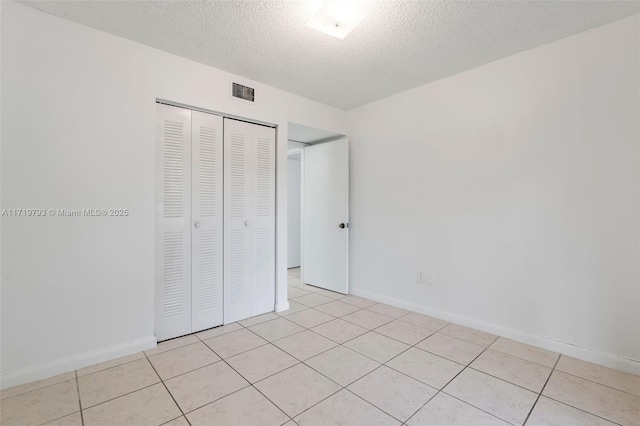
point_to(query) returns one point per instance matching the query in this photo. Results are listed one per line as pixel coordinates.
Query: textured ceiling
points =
(400, 45)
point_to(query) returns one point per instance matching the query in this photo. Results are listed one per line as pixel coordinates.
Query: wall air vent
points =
(243, 92)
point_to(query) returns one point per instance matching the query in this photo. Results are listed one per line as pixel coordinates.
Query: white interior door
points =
(237, 213)
(207, 221)
(263, 220)
(173, 222)
(325, 216)
(249, 193)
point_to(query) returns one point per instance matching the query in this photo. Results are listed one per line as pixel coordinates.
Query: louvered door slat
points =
(173, 217)
(207, 221)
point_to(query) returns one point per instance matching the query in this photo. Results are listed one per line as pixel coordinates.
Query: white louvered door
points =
(249, 193)
(263, 219)
(173, 222)
(237, 212)
(207, 221)
(215, 221)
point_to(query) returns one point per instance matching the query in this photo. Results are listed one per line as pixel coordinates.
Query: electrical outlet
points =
(420, 278)
(430, 280)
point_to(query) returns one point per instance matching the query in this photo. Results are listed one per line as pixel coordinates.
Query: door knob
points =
(246, 223)
(197, 224)
(342, 226)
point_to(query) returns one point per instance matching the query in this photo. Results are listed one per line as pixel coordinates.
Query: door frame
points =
(301, 152)
(276, 194)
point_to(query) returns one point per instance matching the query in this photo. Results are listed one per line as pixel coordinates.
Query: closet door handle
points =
(246, 223)
(197, 224)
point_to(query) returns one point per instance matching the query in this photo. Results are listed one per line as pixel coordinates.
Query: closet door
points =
(207, 215)
(237, 215)
(173, 222)
(262, 222)
(249, 193)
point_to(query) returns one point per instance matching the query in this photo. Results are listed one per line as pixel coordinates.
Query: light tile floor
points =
(332, 359)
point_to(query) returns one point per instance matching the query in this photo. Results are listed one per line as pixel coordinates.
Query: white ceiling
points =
(400, 45)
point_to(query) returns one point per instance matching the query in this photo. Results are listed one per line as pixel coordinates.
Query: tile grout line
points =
(258, 390)
(477, 408)
(191, 371)
(540, 393)
(250, 384)
(441, 390)
(322, 400)
(179, 417)
(370, 372)
(507, 381)
(65, 415)
(215, 400)
(582, 410)
(79, 398)
(114, 366)
(569, 405)
(464, 367)
(34, 389)
(597, 383)
(124, 394)
(519, 357)
(304, 360)
(371, 403)
(397, 340)
(422, 406)
(271, 341)
(471, 362)
(166, 388)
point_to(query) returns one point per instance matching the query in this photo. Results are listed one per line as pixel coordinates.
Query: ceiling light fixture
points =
(337, 17)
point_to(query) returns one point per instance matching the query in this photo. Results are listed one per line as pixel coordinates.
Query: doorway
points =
(318, 208)
(294, 208)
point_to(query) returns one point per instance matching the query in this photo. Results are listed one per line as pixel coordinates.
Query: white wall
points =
(78, 115)
(295, 145)
(294, 211)
(1, 204)
(515, 187)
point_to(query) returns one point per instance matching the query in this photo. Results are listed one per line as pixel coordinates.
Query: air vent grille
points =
(243, 92)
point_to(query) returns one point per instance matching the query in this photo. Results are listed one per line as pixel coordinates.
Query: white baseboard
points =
(282, 306)
(565, 348)
(74, 362)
